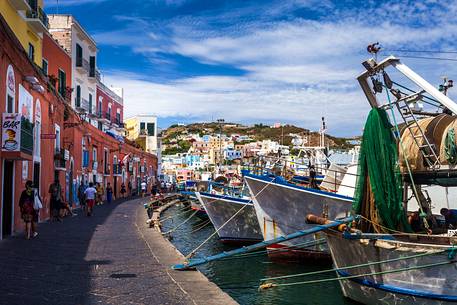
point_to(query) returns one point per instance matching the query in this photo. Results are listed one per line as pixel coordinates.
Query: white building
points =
(83, 50)
(143, 130)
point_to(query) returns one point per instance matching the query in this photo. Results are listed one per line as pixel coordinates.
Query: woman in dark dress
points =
(28, 213)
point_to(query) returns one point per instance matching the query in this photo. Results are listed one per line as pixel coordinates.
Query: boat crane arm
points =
(406, 71)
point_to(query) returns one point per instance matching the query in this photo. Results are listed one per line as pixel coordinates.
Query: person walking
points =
(130, 188)
(100, 192)
(123, 191)
(28, 213)
(143, 188)
(109, 193)
(90, 194)
(56, 200)
(81, 196)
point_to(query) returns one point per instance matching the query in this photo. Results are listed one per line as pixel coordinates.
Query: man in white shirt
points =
(143, 188)
(90, 193)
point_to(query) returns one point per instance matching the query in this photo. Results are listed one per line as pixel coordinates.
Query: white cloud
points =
(296, 70)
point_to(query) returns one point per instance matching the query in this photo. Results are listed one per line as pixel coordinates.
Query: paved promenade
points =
(109, 258)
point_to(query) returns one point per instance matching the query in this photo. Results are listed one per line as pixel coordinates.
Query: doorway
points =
(8, 204)
(36, 175)
(115, 186)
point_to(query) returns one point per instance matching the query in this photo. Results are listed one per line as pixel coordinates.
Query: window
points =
(45, 67)
(100, 126)
(90, 103)
(62, 83)
(57, 143)
(118, 117)
(109, 113)
(151, 129)
(31, 52)
(37, 139)
(142, 126)
(79, 56)
(100, 100)
(85, 158)
(94, 154)
(10, 104)
(92, 66)
(78, 96)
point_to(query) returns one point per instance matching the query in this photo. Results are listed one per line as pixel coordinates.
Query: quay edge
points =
(193, 283)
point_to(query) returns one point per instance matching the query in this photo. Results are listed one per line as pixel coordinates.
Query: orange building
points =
(44, 138)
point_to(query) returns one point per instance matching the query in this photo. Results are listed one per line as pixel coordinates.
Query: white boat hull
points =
(281, 209)
(242, 228)
(426, 286)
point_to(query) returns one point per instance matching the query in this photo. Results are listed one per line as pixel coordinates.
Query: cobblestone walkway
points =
(102, 259)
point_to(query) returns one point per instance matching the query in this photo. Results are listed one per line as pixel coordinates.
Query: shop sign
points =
(48, 136)
(10, 81)
(25, 170)
(25, 103)
(66, 154)
(11, 132)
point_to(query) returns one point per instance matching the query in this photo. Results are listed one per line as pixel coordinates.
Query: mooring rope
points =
(350, 267)
(200, 226)
(174, 215)
(271, 285)
(178, 226)
(299, 246)
(192, 253)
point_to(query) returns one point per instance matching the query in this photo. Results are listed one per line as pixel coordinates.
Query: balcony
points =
(104, 117)
(20, 5)
(143, 133)
(82, 106)
(60, 161)
(82, 65)
(37, 19)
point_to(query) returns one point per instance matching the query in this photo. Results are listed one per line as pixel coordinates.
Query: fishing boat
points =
(233, 217)
(389, 256)
(281, 208)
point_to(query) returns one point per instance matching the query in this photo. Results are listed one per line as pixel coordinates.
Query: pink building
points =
(110, 107)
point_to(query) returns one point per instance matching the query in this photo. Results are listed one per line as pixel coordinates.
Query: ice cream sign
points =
(11, 132)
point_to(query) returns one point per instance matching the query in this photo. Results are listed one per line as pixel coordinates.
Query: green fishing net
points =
(378, 161)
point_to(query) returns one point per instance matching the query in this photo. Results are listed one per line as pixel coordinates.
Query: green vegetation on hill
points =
(257, 132)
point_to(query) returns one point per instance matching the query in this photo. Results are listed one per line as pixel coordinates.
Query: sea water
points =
(239, 277)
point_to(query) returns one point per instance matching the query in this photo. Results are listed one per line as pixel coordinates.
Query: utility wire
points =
(422, 51)
(432, 58)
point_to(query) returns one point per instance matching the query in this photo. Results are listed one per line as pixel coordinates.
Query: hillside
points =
(258, 132)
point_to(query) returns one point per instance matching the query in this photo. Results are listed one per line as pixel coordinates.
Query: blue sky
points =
(289, 61)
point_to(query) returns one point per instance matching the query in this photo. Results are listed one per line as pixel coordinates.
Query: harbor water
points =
(239, 276)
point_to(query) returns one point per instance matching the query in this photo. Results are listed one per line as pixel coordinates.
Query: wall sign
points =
(11, 132)
(25, 170)
(25, 103)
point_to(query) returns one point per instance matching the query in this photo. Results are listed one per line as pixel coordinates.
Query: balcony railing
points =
(26, 136)
(37, 18)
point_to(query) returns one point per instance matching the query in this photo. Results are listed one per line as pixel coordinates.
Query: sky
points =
(260, 61)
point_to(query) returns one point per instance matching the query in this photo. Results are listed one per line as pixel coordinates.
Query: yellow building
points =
(28, 21)
(143, 130)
